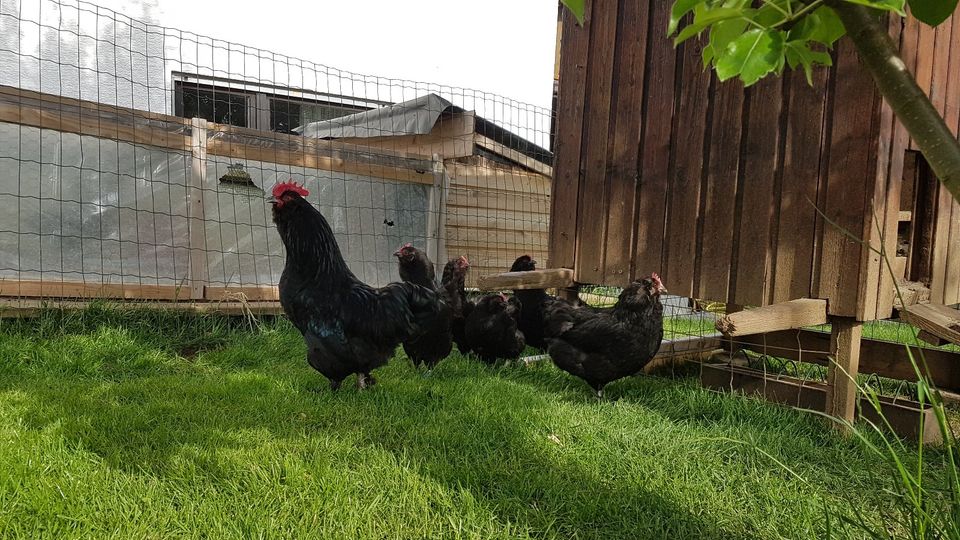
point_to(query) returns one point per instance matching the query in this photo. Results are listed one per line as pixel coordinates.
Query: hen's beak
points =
(272, 200)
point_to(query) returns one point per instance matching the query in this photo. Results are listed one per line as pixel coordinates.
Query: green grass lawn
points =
(149, 426)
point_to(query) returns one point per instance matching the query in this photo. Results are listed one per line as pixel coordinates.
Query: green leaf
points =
(932, 12)
(752, 56)
(704, 19)
(721, 34)
(577, 7)
(798, 53)
(680, 8)
(822, 26)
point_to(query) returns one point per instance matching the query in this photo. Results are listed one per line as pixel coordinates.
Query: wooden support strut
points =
(842, 372)
(556, 278)
(938, 323)
(783, 316)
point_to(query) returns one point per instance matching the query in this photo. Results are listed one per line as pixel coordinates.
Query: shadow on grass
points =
(461, 428)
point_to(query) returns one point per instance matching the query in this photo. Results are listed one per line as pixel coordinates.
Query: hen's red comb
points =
(284, 187)
(464, 260)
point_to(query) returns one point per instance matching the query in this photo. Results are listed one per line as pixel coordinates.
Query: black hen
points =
(491, 329)
(435, 344)
(454, 276)
(532, 302)
(348, 326)
(603, 346)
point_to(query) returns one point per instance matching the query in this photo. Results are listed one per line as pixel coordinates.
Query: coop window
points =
(286, 114)
(213, 104)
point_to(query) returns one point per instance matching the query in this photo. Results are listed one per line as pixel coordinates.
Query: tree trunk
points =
(901, 91)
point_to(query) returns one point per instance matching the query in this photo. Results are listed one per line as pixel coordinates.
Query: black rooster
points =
(454, 276)
(348, 326)
(603, 346)
(437, 342)
(532, 303)
(491, 329)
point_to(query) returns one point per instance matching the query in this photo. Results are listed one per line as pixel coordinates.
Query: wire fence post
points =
(198, 182)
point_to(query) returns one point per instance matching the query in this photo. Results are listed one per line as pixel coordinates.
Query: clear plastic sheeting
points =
(370, 217)
(91, 210)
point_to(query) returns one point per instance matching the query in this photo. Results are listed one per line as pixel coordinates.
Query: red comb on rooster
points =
(284, 187)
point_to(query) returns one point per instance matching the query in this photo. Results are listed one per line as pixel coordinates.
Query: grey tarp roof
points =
(414, 117)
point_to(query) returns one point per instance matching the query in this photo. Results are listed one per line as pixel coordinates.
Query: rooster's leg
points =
(599, 394)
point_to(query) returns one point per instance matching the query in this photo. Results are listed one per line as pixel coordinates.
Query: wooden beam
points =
(24, 308)
(927, 337)
(514, 156)
(783, 316)
(885, 358)
(557, 278)
(72, 289)
(935, 319)
(842, 371)
(248, 293)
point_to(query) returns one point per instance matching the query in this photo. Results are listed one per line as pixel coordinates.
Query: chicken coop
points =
(137, 159)
(780, 197)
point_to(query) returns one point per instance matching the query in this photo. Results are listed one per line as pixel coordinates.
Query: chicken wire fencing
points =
(137, 160)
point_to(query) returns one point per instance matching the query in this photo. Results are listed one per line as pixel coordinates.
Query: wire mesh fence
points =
(137, 159)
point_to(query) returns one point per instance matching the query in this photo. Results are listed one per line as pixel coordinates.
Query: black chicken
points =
(532, 303)
(454, 276)
(437, 342)
(348, 326)
(491, 329)
(603, 346)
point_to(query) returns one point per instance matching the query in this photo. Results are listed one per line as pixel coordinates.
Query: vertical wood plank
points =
(631, 63)
(841, 374)
(591, 227)
(851, 168)
(571, 100)
(198, 181)
(925, 56)
(720, 193)
(655, 147)
(940, 76)
(890, 188)
(801, 176)
(941, 244)
(758, 163)
(951, 288)
(686, 172)
(951, 281)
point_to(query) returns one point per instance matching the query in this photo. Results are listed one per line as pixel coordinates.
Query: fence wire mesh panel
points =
(138, 158)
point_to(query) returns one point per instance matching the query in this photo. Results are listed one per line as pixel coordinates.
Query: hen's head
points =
(493, 303)
(642, 291)
(286, 193)
(407, 253)
(462, 264)
(523, 264)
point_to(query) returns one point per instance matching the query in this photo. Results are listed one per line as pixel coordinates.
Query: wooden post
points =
(841, 375)
(570, 294)
(434, 205)
(198, 180)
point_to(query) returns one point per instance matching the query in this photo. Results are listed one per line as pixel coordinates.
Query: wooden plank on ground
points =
(793, 264)
(936, 319)
(886, 359)
(24, 308)
(550, 278)
(783, 316)
(628, 100)
(10, 288)
(691, 125)
(570, 120)
(759, 159)
(718, 203)
(655, 146)
(252, 293)
(591, 228)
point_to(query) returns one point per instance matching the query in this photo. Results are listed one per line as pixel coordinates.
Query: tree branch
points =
(912, 107)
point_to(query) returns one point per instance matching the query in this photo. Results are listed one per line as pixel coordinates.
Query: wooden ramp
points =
(938, 324)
